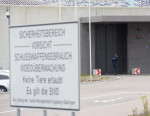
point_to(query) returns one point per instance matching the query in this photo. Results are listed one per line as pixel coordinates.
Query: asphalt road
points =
(108, 98)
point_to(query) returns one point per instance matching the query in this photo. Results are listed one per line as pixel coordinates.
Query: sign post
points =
(18, 111)
(44, 113)
(73, 113)
(44, 64)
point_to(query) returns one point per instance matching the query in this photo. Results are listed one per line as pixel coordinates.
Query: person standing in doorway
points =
(114, 63)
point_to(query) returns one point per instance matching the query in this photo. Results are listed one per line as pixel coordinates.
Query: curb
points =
(114, 78)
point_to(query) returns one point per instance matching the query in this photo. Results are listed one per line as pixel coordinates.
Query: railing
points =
(94, 3)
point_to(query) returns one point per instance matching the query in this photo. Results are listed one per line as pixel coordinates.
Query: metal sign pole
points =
(90, 40)
(75, 12)
(73, 113)
(18, 111)
(9, 23)
(60, 15)
(44, 113)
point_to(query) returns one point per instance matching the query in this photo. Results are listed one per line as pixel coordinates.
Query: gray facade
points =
(112, 18)
(138, 49)
(116, 35)
(110, 39)
(84, 38)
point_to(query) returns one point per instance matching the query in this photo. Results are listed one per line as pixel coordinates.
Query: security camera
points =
(7, 14)
(8, 11)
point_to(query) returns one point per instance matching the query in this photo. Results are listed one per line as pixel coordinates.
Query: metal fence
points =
(95, 3)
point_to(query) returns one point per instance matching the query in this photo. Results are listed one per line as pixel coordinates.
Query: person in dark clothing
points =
(114, 63)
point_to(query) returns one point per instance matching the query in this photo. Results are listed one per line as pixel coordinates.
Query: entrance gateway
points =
(128, 36)
(45, 75)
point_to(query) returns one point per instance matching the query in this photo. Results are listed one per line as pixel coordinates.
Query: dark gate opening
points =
(110, 39)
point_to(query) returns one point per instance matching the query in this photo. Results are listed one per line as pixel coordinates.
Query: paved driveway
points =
(108, 98)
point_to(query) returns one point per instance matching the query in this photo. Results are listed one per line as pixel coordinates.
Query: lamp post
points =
(90, 46)
(8, 17)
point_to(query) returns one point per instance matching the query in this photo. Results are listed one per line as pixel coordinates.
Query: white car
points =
(4, 80)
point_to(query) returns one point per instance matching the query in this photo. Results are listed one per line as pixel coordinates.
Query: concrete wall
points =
(139, 49)
(4, 46)
(111, 39)
(85, 54)
(85, 67)
(37, 15)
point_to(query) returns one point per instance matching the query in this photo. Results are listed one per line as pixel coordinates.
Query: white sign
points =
(136, 71)
(96, 71)
(44, 64)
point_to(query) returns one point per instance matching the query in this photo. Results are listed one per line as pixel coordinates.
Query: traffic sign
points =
(96, 71)
(136, 71)
(44, 64)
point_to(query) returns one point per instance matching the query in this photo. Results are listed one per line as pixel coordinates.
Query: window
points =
(3, 77)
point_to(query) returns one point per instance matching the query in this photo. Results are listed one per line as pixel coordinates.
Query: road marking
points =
(96, 97)
(105, 101)
(8, 111)
(93, 97)
(11, 111)
(119, 98)
(101, 107)
(109, 100)
(96, 101)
